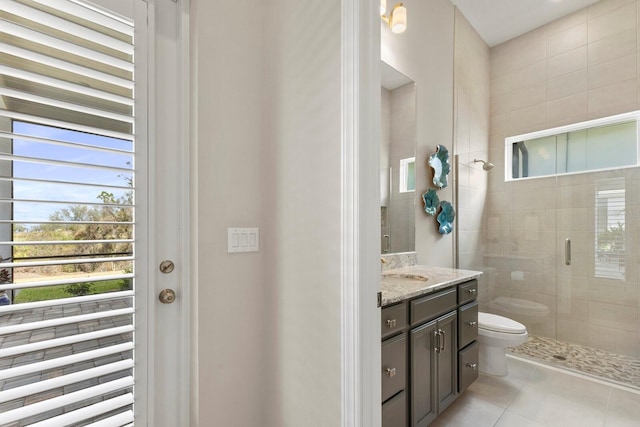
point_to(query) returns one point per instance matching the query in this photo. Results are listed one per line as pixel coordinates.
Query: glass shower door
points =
(597, 299)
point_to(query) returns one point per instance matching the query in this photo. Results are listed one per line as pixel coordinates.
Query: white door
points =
(92, 199)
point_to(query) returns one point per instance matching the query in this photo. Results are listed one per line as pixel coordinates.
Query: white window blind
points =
(610, 213)
(67, 185)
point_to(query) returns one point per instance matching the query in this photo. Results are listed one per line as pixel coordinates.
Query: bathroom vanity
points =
(429, 350)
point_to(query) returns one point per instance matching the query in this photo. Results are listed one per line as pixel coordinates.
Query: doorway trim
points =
(360, 269)
(169, 375)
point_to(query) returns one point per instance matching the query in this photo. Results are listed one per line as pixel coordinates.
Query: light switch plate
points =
(243, 240)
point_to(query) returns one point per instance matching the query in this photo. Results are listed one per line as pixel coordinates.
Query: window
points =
(407, 175)
(67, 187)
(601, 144)
(610, 229)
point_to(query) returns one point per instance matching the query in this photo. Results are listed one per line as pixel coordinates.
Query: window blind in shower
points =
(610, 224)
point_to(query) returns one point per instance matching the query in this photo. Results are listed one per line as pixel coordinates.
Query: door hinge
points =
(379, 299)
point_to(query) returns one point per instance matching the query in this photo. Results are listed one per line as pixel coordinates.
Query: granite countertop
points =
(399, 284)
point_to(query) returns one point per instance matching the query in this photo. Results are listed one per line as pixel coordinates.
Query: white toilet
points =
(495, 333)
(528, 312)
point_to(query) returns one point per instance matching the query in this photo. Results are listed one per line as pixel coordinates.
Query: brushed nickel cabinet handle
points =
(391, 323)
(567, 251)
(472, 290)
(436, 339)
(471, 365)
(444, 340)
(391, 372)
(472, 323)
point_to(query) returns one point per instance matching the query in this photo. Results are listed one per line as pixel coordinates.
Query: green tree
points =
(611, 239)
(109, 220)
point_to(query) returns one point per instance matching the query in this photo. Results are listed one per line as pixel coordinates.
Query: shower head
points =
(486, 166)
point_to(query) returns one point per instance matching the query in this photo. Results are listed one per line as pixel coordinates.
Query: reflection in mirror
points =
(397, 161)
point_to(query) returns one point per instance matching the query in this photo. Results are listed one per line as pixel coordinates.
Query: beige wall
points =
(233, 338)
(302, 108)
(267, 119)
(424, 53)
(580, 67)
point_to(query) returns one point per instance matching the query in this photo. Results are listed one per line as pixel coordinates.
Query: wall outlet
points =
(243, 240)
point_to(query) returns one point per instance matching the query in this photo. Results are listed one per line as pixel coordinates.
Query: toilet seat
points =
(495, 323)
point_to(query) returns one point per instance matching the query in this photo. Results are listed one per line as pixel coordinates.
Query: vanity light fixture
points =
(397, 19)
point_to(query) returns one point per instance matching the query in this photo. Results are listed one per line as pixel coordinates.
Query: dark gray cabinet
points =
(467, 334)
(434, 367)
(467, 324)
(429, 354)
(423, 374)
(394, 365)
(394, 320)
(447, 360)
(394, 411)
(429, 307)
(467, 366)
(467, 292)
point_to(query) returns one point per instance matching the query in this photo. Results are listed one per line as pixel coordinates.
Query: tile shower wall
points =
(471, 141)
(580, 67)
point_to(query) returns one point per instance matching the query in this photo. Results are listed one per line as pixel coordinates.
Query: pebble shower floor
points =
(624, 370)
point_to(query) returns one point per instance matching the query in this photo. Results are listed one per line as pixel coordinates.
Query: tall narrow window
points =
(610, 229)
(67, 182)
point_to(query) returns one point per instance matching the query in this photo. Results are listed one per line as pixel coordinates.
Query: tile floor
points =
(533, 395)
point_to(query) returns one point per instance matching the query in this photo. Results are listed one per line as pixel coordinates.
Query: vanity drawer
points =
(467, 366)
(467, 324)
(394, 412)
(467, 291)
(432, 306)
(394, 365)
(394, 319)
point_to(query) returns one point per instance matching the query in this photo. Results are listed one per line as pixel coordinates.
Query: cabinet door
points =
(467, 366)
(423, 374)
(394, 412)
(447, 364)
(394, 319)
(467, 324)
(394, 365)
(467, 292)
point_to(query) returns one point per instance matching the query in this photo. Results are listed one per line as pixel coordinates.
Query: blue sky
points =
(64, 192)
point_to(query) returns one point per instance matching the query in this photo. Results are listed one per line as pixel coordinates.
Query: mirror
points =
(397, 161)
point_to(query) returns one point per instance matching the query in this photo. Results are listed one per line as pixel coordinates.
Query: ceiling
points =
(500, 20)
